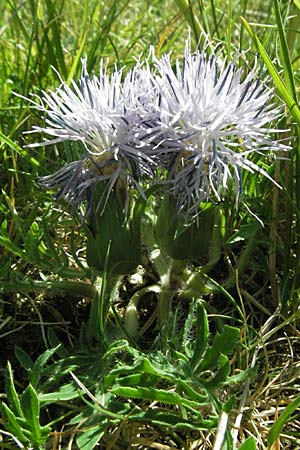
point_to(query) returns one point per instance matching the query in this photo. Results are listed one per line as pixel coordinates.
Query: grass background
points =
(45, 287)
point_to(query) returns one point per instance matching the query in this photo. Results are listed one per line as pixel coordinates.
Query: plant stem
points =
(186, 9)
(169, 271)
(170, 284)
(95, 318)
(71, 288)
(101, 302)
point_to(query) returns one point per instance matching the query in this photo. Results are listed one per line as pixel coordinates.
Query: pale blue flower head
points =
(114, 119)
(215, 117)
(199, 122)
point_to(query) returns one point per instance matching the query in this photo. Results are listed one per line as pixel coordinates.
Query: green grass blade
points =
(201, 335)
(57, 35)
(297, 3)
(214, 16)
(283, 419)
(186, 10)
(283, 90)
(77, 58)
(229, 29)
(6, 140)
(287, 66)
(29, 54)
(244, 12)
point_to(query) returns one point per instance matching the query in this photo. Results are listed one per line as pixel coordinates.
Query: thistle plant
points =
(201, 122)
(189, 132)
(159, 157)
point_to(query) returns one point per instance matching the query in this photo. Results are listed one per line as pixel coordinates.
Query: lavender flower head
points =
(216, 118)
(113, 119)
(201, 121)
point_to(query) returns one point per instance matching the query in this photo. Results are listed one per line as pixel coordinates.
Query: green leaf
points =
(7, 243)
(11, 392)
(187, 330)
(159, 395)
(11, 424)
(90, 438)
(117, 347)
(66, 392)
(31, 410)
(113, 236)
(245, 232)
(184, 241)
(55, 342)
(223, 343)
(30, 405)
(39, 365)
(23, 358)
(220, 376)
(249, 444)
(283, 419)
(172, 420)
(140, 379)
(192, 394)
(226, 342)
(241, 376)
(158, 366)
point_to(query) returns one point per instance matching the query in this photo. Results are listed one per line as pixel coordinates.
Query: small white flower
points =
(116, 123)
(216, 118)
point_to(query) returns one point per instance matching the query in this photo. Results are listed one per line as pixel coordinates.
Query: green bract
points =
(199, 240)
(113, 236)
